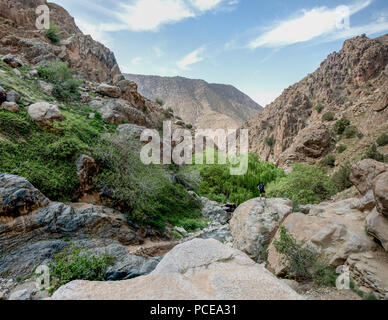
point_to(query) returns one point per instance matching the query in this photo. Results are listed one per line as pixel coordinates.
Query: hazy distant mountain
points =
(197, 102)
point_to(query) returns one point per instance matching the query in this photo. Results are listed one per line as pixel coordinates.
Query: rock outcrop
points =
(254, 223)
(197, 270)
(19, 36)
(364, 173)
(350, 83)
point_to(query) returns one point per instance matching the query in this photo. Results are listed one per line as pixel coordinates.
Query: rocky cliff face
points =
(351, 83)
(198, 102)
(19, 35)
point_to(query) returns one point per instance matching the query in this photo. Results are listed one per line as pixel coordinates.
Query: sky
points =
(261, 47)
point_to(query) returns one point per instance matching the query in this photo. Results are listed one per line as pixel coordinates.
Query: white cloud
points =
(204, 5)
(309, 25)
(150, 15)
(191, 58)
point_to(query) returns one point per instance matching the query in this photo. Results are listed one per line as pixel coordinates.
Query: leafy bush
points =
(341, 148)
(217, 183)
(303, 263)
(341, 125)
(382, 140)
(350, 132)
(269, 141)
(53, 34)
(141, 191)
(318, 107)
(305, 184)
(373, 153)
(62, 77)
(159, 102)
(328, 116)
(341, 177)
(328, 160)
(78, 264)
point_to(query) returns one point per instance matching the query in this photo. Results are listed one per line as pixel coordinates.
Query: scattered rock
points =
(18, 197)
(3, 95)
(132, 131)
(254, 222)
(197, 270)
(13, 96)
(377, 226)
(117, 78)
(181, 230)
(43, 112)
(119, 111)
(109, 91)
(87, 170)
(364, 173)
(381, 194)
(47, 87)
(17, 72)
(212, 210)
(10, 106)
(20, 295)
(12, 61)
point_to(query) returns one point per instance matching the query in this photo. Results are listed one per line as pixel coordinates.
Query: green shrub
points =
(328, 160)
(341, 148)
(303, 263)
(78, 264)
(341, 125)
(189, 126)
(341, 177)
(328, 116)
(318, 107)
(217, 184)
(350, 132)
(269, 141)
(373, 153)
(53, 34)
(382, 140)
(159, 102)
(141, 191)
(62, 77)
(305, 184)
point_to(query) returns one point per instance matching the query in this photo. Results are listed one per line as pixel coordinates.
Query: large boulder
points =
(363, 174)
(254, 223)
(109, 91)
(381, 193)
(214, 211)
(43, 112)
(335, 230)
(58, 221)
(18, 197)
(120, 111)
(13, 96)
(377, 226)
(195, 270)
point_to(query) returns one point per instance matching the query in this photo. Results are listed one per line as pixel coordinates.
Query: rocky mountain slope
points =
(300, 124)
(19, 35)
(202, 104)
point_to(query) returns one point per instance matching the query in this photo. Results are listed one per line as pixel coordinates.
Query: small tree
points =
(329, 160)
(52, 34)
(269, 141)
(382, 140)
(341, 125)
(328, 116)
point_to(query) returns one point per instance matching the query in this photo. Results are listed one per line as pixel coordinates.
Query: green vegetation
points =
(143, 191)
(305, 184)
(53, 34)
(319, 107)
(350, 132)
(328, 116)
(341, 148)
(373, 153)
(159, 102)
(303, 263)
(341, 125)
(78, 264)
(341, 177)
(218, 184)
(269, 141)
(382, 140)
(62, 77)
(328, 160)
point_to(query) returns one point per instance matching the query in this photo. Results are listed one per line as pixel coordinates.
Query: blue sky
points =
(261, 47)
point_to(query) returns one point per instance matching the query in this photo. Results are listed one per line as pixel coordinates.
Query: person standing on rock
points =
(261, 188)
